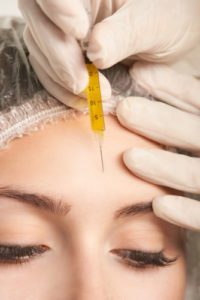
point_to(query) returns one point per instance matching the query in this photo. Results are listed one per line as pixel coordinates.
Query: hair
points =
(25, 106)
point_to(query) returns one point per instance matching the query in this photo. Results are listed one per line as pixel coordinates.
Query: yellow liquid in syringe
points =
(93, 92)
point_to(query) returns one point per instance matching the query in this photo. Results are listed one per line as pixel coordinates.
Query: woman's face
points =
(68, 231)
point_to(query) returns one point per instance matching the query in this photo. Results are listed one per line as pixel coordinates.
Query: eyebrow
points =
(58, 207)
(134, 209)
(37, 200)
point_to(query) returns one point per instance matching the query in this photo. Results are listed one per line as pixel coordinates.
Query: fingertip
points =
(161, 205)
(80, 83)
(72, 71)
(127, 159)
(106, 91)
(100, 50)
(122, 111)
(130, 111)
(176, 210)
(134, 159)
(164, 208)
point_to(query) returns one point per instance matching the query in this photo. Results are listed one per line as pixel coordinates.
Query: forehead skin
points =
(67, 150)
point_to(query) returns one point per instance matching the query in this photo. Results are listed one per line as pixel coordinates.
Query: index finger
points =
(70, 17)
(178, 210)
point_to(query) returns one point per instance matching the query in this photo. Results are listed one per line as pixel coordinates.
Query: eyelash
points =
(15, 254)
(137, 259)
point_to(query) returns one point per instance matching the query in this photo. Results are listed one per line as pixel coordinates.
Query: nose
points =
(89, 278)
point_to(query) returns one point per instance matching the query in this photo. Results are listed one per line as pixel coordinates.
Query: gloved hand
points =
(145, 29)
(174, 123)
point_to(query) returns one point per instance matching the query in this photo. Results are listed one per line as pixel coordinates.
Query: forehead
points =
(64, 159)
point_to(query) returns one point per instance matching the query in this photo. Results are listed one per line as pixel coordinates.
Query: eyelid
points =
(18, 254)
(143, 259)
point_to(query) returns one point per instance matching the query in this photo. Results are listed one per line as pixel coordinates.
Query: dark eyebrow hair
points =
(37, 200)
(57, 207)
(135, 209)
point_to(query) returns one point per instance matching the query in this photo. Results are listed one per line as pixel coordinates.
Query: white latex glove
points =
(177, 126)
(150, 30)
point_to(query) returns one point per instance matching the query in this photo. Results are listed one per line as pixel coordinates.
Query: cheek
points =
(43, 279)
(165, 283)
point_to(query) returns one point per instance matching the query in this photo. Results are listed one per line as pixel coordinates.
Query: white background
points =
(9, 7)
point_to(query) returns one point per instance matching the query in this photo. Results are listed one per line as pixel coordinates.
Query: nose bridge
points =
(89, 275)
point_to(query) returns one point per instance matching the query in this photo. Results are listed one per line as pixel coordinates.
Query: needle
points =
(100, 142)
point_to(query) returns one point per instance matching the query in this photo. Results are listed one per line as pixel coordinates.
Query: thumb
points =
(113, 39)
(183, 212)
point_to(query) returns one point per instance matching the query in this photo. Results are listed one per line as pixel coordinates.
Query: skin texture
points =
(62, 161)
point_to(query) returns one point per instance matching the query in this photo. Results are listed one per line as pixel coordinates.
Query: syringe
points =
(94, 98)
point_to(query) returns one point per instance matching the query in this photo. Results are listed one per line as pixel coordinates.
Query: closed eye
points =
(141, 259)
(16, 254)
